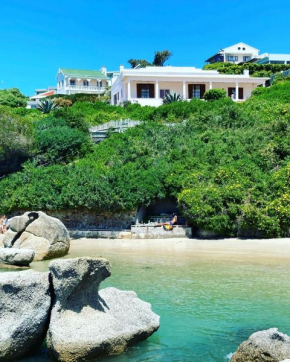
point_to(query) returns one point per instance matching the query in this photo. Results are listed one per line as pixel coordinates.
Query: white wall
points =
(121, 87)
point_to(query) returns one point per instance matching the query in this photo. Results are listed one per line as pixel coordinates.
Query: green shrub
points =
(214, 94)
(12, 98)
(73, 117)
(16, 142)
(60, 144)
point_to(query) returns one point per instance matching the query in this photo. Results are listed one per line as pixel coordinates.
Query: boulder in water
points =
(86, 323)
(24, 312)
(264, 346)
(13, 256)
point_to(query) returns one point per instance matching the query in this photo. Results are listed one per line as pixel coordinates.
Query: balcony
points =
(83, 88)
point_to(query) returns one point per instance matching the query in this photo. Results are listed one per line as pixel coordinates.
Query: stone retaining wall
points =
(85, 219)
(152, 232)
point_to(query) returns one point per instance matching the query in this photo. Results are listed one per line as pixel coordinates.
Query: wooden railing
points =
(99, 133)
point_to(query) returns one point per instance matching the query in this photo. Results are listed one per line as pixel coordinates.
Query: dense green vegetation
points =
(256, 70)
(12, 98)
(227, 164)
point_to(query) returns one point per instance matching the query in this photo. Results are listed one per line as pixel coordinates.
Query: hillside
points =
(227, 164)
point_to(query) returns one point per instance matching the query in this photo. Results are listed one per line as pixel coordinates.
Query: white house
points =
(268, 58)
(43, 93)
(237, 53)
(148, 86)
(40, 94)
(71, 81)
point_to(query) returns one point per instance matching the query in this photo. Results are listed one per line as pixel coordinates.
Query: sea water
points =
(208, 303)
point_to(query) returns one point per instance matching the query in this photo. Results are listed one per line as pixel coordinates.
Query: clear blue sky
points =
(38, 37)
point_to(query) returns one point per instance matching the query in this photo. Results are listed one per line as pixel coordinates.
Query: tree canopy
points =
(12, 98)
(160, 58)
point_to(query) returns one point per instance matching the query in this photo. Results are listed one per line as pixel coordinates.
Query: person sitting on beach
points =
(168, 225)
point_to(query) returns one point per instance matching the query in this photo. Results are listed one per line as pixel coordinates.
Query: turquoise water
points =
(208, 304)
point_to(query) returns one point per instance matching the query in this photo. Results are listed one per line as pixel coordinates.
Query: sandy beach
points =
(258, 250)
(232, 248)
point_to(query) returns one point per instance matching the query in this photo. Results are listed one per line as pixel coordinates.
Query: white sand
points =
(221, 248)
(257, 249)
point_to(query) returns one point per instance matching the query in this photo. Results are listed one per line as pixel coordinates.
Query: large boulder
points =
(24, 312)
(9, 238)
(45, 235)
(86, 323)
(13, 256)
(264, 346)
(19, 223)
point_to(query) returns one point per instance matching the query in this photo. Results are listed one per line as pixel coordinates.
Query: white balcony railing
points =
(85, 88)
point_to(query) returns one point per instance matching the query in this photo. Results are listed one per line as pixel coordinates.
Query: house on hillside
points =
(149, 86)
(43, 93)
(71, 81)
(267, 58)
(237, 53)
(40, 93)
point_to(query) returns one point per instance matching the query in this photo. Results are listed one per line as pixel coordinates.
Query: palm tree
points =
(161, 57)
(170, 98)
(47, 105)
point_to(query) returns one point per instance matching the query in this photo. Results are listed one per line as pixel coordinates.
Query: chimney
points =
(103, 70)
(121, 68)
(246, 72)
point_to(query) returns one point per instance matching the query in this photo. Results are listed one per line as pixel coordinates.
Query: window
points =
(86, 83)
(145, 91)
(232, 58)
(247, 58)
(232, 93)
(72, 82)
(163, 93)
(196, 91)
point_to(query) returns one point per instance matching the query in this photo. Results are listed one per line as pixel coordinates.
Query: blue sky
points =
(37, 38)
